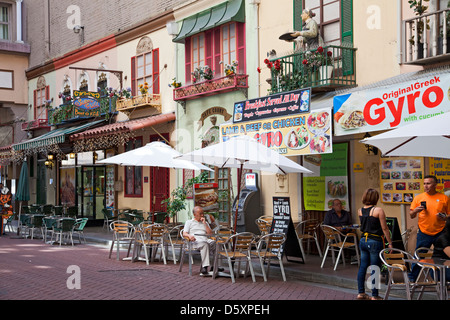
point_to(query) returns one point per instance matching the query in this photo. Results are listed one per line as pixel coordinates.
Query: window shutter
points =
(133, 76)
(155, 75)
(217, 54)
(47, 97)
(34, 102)
(209, 49)
(240, 27)
(298, 8)
(187, 60)
(347, 36)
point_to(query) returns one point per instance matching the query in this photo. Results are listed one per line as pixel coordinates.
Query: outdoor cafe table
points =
(441, 264)
(58, 220)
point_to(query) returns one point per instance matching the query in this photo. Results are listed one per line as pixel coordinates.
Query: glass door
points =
(93, 192)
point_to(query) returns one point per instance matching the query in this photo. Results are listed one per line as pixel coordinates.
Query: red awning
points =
(125, 126)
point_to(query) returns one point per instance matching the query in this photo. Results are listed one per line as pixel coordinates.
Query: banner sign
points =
(206, 196)
(391, 106)
(276, 105)
(299, 134)
(86, 104)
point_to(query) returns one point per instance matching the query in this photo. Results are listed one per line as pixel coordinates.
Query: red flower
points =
(305, 61)
(266, 61)
(269, 65)
(258, 69)
(320, 49)
(329, 53)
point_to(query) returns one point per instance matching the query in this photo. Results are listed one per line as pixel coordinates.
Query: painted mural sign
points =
(391, 106)
(86, 104)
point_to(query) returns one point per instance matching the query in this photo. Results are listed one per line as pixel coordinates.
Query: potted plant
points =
(419, 9)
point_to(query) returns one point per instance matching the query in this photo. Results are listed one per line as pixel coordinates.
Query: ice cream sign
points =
(86, 104)
(391, 106)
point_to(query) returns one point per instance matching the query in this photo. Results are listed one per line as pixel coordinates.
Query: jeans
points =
(423, 240)
(370, 250)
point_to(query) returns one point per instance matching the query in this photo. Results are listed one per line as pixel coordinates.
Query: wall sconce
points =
(77, 29)
(72, 155)
(369, 148)
(49, 163)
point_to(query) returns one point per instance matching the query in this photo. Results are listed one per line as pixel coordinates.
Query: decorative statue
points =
(309, 35)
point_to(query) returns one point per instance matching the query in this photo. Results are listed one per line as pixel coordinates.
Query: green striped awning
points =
(232, 10)
(52, 137)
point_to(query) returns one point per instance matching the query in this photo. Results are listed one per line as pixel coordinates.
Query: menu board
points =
(401, 179)
(440, 168)
(206, 196)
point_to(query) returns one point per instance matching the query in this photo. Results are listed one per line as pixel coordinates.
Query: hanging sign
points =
(86, 104)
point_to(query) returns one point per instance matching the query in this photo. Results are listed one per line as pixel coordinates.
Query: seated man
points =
(337, 217)
(193, 230)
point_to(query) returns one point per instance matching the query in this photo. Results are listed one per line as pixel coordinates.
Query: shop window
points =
(216, 48)
(133, 174)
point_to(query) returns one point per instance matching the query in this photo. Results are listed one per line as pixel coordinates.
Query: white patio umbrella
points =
(424, 138)
(245, 153)
(154, 154)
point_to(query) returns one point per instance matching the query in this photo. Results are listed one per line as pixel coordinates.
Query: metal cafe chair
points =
(123, 233)
(337, 242)
(188, 250)
(306, 231)
(268, 247)
(151, 237)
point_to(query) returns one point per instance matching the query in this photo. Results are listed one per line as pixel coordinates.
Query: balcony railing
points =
(324, 69)
(66, 112)
(142, 101)
(35, 124)
(427, 38)
(211, 87)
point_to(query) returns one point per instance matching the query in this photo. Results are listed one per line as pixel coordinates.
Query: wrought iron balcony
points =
(67, 111)
(143, 101)
(35, 124)
(427, 38)
(211, 87)
(324, 69)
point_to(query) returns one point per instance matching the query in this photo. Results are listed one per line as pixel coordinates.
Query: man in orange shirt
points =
(432, 208)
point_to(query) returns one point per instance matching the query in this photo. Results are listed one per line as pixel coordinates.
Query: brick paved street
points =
(30, 270)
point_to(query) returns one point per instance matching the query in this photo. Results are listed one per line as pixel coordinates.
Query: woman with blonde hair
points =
(373, 228)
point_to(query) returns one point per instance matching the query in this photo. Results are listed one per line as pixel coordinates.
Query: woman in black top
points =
(373, 227)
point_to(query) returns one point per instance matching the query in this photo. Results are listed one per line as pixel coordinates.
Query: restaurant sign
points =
(86, 104)
(391, 106)
(276, 105)
(295, 134)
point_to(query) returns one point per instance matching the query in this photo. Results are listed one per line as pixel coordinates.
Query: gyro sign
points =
(86, 104)
(391, 106)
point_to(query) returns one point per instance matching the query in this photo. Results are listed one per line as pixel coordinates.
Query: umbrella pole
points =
(18, 221)
(238, 194)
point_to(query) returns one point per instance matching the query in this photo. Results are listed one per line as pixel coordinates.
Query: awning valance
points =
(53, 137)
(233, 10)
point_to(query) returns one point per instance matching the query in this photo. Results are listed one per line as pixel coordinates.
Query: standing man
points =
(432, 208)
(196, 230)
(337, 217)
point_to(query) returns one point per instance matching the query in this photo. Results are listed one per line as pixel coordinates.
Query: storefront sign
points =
(86, 104)
(391, 106)
(328, 181)
(276, 105)
(298, 134)
(401, 179)
(440, 168)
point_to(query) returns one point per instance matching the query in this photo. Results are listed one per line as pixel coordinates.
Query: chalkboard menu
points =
(396, 236)
(282, 223)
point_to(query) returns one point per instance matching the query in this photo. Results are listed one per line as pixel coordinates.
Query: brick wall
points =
(47, 22)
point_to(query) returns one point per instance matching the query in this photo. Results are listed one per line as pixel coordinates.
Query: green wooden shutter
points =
(347, 36)
(298, 7)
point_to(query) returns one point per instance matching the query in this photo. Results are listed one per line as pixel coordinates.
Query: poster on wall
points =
(206, 195)
(295, 134)
(391, 106)
(328, 181)
(401, 179)
(440, 168)
(109, 186)
(67, 186)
